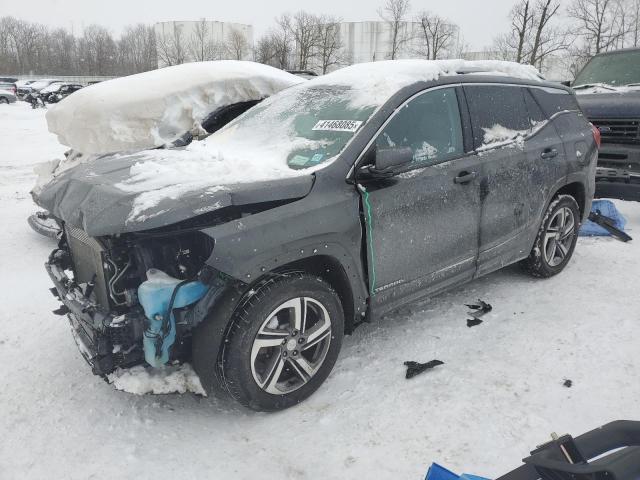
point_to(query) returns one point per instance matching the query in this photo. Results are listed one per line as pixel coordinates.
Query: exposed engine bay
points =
(104, 275)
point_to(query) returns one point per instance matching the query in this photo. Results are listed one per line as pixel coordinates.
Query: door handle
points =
(549, 153)
(465, 177)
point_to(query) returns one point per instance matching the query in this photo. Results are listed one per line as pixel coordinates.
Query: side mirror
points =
(388, 159)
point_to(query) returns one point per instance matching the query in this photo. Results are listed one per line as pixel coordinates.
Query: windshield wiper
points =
(594, 85)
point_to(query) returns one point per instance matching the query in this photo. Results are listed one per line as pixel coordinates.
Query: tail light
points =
(597, 136)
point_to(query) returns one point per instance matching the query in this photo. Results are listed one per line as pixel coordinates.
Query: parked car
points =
(8, 87)
(6, 96)
(8, 80)
(608, 90)
(306, 74)
(328, 204)
(59, 90)
(35, 86)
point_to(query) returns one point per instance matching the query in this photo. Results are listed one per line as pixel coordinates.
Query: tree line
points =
(27, 47)
(537, 31)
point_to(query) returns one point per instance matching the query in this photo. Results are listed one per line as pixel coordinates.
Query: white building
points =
(198, 40)
(372, 41)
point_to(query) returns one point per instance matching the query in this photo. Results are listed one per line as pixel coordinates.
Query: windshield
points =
(304, 126)
(615, 69)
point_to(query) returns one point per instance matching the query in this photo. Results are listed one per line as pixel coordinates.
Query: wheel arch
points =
(332, 271)
(575, 189)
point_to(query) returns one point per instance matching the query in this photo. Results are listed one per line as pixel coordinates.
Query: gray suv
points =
(392, 196)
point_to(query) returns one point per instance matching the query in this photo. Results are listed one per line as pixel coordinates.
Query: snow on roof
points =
(378, 81)
(151, 109)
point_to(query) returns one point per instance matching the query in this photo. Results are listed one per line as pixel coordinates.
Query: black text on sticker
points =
(338, 125)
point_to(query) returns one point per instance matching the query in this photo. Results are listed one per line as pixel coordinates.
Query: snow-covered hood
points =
(90, 196)
(154, 108)
(611, 104)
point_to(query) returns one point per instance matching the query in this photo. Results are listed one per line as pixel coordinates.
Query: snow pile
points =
(500, 134)
(170, 379)
(151, 109)
(597, 88)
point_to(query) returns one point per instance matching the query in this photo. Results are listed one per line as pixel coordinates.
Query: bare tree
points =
(282, 43)
(237, 45)
(97, 51)
(170, 45)
(265, 50)
(438, 35)
(634, 28)
(304, 30)
(600, 23)
(513, 44)
(330, 46)
(395, 12)
(137, 49)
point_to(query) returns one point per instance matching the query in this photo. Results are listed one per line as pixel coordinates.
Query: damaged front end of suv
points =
(135, 296)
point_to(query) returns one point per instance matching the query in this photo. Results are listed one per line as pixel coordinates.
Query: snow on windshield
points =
(281, 137)
(154, 108)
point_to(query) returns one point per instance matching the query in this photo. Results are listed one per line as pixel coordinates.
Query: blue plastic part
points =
(438, 472)
(608, 209)
(154, 296)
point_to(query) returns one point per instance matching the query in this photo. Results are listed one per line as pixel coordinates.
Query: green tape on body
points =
(369, 223)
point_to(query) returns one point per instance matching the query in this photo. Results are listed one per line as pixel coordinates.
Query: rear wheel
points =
(4, 100)
(556, 238)
(282, 342)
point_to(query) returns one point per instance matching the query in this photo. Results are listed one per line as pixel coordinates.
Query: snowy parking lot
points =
(499, 393)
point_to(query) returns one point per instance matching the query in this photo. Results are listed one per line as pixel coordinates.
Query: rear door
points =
(520, 151)
(422, 225)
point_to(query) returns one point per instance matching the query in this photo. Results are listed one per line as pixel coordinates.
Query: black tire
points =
(235, 373)
(4, 100)
(549, 257)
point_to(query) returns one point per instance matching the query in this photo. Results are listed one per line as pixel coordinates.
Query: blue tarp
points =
(608, 209)
(438, 472)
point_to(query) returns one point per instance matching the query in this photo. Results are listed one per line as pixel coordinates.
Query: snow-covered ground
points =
(498, 395)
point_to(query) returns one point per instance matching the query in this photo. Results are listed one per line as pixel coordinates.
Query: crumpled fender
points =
(321, 224)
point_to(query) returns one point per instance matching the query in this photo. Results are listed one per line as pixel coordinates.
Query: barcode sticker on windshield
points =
(338, 125)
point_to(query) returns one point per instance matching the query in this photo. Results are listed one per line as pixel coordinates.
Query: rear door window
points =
(430, 125)
(499, 113)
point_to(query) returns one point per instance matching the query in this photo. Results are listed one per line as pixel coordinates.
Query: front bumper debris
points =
(105, 341)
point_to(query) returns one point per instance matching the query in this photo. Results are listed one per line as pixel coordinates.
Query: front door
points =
(422, 225)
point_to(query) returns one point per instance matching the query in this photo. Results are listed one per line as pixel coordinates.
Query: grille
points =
(618, 131)
(87, 255)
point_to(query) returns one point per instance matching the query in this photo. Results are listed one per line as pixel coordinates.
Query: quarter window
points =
(498, 113)
(429, 125)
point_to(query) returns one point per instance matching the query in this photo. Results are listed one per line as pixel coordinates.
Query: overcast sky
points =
(479, 21)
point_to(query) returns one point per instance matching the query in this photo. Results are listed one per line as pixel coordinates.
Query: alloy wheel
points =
(291, 346)
(559, 236)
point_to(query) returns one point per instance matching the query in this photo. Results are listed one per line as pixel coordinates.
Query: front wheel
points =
(556, 238)
(282, 342)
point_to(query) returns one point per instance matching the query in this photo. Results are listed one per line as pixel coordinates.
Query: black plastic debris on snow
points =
(568, 383)
(609, 224)
(415, 368)
(477, 310)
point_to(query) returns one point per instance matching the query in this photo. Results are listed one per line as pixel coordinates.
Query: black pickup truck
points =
(608, 89)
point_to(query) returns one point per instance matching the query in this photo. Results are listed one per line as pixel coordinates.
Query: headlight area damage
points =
(127, 297)
(133, 297)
